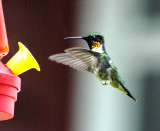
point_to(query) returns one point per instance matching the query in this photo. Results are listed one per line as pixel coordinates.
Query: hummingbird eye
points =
(92, 36)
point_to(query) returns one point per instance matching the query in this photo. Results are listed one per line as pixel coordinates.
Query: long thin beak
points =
(73, 37)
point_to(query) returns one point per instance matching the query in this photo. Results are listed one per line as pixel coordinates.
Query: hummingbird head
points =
(95, 40)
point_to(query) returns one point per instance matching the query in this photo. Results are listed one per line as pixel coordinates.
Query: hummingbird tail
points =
(128, 93)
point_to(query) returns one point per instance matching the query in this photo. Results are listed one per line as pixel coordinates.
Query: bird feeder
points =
(10, 83)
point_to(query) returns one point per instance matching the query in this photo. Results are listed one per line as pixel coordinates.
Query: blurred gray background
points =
(61, 99)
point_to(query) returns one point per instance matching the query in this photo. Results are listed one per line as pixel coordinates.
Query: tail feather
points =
(127, 91)
(129, 94)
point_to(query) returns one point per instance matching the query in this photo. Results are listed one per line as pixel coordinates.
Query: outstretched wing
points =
(77, 58)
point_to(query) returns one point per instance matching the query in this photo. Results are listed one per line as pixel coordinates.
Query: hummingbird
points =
(94, 60)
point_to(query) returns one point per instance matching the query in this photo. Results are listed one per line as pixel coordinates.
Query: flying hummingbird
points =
(96, 61)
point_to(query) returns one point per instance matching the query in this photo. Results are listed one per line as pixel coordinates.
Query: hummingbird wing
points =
(77, 58)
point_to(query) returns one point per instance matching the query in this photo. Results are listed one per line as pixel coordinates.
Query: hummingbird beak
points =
(73, 37)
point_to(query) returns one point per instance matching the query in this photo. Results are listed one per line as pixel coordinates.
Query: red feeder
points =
(4, 49)
(10, 83)
(9, 86)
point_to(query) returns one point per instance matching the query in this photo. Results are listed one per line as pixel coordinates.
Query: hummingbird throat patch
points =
(96, 44)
